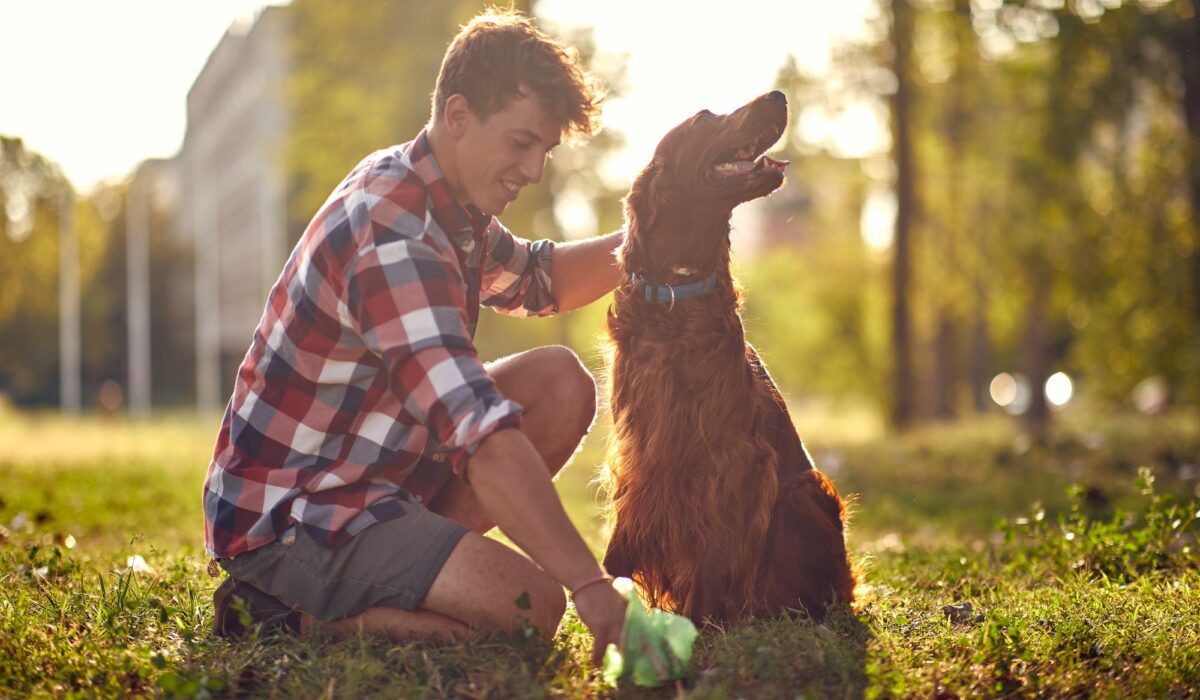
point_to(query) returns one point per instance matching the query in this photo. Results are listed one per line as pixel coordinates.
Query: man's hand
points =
(602, 609)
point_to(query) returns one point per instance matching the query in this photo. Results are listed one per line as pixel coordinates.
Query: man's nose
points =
(534, 166)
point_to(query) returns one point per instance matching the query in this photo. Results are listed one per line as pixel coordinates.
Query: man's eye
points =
(522, 144)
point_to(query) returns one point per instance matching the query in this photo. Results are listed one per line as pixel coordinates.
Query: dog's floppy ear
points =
(645, 196)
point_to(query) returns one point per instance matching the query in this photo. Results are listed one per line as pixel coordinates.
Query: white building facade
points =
(232, 193)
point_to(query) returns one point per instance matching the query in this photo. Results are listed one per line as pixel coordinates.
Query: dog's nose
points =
(777, 96)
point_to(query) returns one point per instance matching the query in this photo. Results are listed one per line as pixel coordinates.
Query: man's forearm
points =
(583, 271)
(514, 489)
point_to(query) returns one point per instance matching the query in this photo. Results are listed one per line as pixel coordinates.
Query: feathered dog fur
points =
(717, 510)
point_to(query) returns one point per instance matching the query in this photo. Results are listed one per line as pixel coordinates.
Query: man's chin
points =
(493, 209)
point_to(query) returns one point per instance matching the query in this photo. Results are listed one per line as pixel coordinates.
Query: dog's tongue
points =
(777, 164)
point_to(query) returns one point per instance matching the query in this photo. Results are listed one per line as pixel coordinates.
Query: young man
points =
(366, 448)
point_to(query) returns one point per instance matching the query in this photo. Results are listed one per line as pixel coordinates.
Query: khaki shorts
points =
(388, 564)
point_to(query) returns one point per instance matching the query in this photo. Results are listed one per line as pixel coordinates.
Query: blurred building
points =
(231, 204)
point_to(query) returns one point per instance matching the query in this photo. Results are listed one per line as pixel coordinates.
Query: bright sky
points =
(684, 56)
(99, 86)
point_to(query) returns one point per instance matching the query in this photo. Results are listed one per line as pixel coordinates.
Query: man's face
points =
(500, 154)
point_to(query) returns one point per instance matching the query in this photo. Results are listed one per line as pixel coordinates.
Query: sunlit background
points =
(1022, 241)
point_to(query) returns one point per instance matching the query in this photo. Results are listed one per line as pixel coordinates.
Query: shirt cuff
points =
(473, 428)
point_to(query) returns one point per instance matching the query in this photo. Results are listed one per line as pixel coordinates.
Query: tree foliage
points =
(1055, 227)
(33, 193)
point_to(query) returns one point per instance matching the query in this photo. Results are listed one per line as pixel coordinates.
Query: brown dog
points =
(717, 509)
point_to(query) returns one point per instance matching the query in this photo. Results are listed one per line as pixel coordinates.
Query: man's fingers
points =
(600, 645)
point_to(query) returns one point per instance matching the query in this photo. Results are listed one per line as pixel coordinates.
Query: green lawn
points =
(993, 567)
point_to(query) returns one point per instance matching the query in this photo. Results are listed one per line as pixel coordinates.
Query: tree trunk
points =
(1038, 356)
(1189, 58)
(981, 355)
(902, 379)
(947, 368)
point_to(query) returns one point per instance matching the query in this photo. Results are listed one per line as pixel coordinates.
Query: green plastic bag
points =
(656, 646)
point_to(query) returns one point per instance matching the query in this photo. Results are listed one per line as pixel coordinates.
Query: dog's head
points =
(678, 209)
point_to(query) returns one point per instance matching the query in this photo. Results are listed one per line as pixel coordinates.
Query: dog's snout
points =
(777, 96)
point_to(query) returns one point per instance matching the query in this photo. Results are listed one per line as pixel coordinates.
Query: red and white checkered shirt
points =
(362, 375)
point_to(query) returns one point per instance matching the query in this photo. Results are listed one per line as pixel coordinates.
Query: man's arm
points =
(515, 491)
(584, 271)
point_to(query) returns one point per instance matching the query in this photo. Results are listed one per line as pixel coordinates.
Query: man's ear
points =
(457, 114)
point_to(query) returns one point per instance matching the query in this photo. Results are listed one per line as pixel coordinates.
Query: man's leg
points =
(484, 586)
(559, 398)
(481, 582)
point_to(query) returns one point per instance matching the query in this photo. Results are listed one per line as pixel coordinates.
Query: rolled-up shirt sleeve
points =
(408, 305)
(516, 274)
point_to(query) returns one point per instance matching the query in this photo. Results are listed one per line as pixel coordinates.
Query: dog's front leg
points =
(710, 589)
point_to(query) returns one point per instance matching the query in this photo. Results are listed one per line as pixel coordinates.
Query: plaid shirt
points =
(362, 377)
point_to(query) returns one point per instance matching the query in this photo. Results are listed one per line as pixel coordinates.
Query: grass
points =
(994, 567)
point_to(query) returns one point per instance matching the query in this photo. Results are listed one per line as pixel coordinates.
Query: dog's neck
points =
(709, 256)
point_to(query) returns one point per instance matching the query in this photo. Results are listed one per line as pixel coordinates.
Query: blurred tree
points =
(32, 190)
(903, 390)
(958, 113)
(1122, 255)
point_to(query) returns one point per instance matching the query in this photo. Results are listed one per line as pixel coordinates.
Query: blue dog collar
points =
(669, 294)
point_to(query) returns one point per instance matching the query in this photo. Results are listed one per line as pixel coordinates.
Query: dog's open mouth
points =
(730, 169)
(746, 160)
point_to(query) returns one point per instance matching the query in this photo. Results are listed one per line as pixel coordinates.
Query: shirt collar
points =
(456, 220)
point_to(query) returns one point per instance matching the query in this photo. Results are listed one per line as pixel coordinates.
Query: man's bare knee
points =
(493, 588)
(572, 389)
(541, 603)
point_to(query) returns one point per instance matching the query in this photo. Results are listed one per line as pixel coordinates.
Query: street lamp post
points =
(68, 308)
(137, 300)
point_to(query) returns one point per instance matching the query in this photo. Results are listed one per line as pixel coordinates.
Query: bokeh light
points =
(1003, 389)
(1151, 396)
(1010, 392)
(111, 396)
(1059, 389)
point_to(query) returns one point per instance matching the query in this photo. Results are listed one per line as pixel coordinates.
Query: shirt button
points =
(467, 245)
(438, 457)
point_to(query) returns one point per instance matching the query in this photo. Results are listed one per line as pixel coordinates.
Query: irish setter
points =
(717, 510)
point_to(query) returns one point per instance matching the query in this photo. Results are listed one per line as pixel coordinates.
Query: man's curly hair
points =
(500, 55)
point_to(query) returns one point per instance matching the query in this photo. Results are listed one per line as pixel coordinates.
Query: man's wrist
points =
(602, 578)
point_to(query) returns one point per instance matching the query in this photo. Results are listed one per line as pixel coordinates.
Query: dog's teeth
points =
(735, 168)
